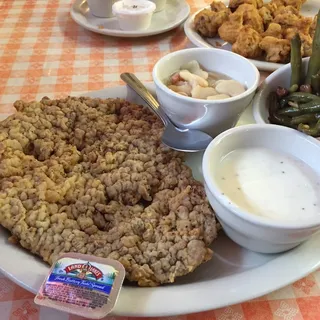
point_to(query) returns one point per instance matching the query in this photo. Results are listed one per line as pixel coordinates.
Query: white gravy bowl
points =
(251, 231)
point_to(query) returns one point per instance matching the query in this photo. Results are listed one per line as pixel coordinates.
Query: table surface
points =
(43, 52)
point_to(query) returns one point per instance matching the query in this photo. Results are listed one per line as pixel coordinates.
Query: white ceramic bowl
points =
(101, 8)
(280, 77)
(215, 116)
(250, 231)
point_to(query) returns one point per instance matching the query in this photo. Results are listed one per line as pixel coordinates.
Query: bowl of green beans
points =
(291, 95)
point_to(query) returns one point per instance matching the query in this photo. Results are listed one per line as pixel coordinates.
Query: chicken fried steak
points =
(91, 176)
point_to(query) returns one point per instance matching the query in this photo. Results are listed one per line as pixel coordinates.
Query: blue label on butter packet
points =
(83, 274)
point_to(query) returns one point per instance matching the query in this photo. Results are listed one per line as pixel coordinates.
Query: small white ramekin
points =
(101, 8)
(253, 232)
(134, 20)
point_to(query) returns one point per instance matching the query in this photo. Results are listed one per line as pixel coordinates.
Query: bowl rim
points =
(159, 83)
(225, 202)
(256, 102)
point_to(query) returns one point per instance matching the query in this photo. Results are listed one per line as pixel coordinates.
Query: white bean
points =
(230, 87)
(193, 79)
(194, 67)
(185, 88)
(202, 93)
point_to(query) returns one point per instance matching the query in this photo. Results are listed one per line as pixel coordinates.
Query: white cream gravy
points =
(270, 184)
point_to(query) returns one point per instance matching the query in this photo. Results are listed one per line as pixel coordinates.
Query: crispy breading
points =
(304, 25)
(246, 14)
(207, 22)
(277, 50)
(91, 176)
(306, 45)
(272, 7)
(312, 29)
(287, 20)
(251, 17)
(278, 3)
(286, 9)
(230, 29)
(294, 3)
(303, 28)
(274, 30)
(306, 40)
(218, 6)
(259, 4)
(247, 43)
(266, 16)
(234, 4)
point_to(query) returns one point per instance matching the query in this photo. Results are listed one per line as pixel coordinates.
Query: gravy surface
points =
(270, 184)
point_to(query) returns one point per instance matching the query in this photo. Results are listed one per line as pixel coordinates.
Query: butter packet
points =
(82, 284)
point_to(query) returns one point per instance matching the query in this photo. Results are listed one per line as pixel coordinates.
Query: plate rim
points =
(127, 34)
(204, 296)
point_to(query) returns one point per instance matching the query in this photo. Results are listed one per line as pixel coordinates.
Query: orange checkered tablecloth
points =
(43, 52)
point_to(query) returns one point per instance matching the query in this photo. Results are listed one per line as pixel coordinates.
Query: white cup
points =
(134, 20)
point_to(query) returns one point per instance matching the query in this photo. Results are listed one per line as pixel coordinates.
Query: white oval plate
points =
(233, 275)
(174, 13)
(310, 8)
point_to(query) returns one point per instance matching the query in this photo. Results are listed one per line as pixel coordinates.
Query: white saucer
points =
(174, 13)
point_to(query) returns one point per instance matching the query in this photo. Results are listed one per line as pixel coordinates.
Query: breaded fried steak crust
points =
(91, 176)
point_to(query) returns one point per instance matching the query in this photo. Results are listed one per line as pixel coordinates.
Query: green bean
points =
(314, 62)
(313, 131)
(281, 120)
(290, 111)
(274, 117)
(293, 112)
(305, 118)
(301, 96)
(312, 106)
(293, 88)
(315, 83)
(296, 61)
